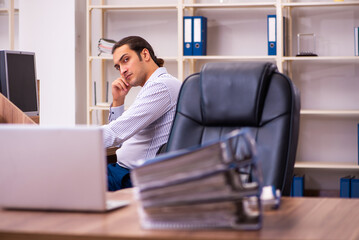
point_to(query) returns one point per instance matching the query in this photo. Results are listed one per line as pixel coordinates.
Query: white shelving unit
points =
(10, 11)
(328, 143)
(324, 111)
(340, 115)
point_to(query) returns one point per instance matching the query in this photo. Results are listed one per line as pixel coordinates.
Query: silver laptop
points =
(53, 168)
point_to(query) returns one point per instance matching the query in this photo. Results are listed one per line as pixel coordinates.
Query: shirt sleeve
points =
(152, 103)
(115, 112)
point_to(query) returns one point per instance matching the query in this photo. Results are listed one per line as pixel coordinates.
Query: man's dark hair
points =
(137, 44)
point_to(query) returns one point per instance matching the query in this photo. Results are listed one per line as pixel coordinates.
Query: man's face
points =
(132, 69)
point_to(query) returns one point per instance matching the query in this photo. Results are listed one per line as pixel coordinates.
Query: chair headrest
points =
(233, 93)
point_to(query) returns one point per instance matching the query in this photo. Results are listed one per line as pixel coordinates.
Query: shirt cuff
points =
(115, 112)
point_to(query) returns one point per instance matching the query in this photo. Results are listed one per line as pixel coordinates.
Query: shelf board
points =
(133, 7)
(214, 57)
(109, 57)
(105, 57)
(231, 5)
(328, 113)
(2, 10)
(100, 106)
(324, 58)
(326, 165)
(229, 58)
(321, 4)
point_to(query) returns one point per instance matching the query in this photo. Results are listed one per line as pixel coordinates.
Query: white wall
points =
(48, 28)
(80, 61)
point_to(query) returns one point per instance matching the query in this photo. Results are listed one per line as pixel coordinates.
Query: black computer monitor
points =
(18, 80)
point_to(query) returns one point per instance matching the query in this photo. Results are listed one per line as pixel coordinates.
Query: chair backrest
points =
(227, 96)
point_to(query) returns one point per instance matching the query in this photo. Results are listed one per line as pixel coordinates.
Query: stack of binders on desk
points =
(202, 187)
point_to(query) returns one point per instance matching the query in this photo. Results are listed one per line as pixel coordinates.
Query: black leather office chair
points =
(227, 96)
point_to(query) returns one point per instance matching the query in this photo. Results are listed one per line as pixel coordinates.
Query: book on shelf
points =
(215, 185)
(105, 46)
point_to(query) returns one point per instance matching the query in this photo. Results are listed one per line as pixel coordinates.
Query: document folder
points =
(345, 186)
(354, 188)
(272, 34)
(199, 35)
(297, 186)
(187, 36)
(356, 41)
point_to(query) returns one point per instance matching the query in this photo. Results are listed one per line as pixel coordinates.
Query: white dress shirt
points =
(145, 125)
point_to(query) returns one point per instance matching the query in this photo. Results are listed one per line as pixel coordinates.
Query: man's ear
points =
(145, 54)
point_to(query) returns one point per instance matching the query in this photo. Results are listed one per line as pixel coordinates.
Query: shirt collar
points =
(159, 71)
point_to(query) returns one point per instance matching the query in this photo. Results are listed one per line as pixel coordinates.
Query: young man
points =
(145, 125)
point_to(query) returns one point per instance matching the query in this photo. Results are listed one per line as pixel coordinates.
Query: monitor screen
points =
(18, 80)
